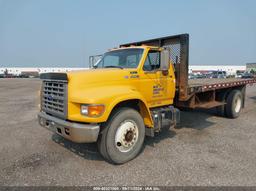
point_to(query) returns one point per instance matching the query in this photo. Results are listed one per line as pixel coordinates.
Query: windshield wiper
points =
(114, 67)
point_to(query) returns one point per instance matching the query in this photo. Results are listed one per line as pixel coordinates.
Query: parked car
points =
(219, 74)
(247, 75)
(191, 76)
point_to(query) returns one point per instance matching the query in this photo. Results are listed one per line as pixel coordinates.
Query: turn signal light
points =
(92, 110)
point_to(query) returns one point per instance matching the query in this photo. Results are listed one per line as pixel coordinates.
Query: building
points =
(229, 69)
(18, 70)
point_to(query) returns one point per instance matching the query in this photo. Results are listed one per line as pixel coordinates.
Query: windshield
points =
(125, 58)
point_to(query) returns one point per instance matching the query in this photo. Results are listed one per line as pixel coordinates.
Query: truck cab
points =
(143, 72)
(80, 105)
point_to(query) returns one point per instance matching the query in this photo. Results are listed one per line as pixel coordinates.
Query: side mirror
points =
(93, 60)
(165, 61)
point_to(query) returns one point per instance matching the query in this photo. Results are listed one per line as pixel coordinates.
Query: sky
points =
(64, 33)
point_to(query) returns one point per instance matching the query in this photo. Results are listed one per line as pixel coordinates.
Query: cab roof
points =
(132, 46)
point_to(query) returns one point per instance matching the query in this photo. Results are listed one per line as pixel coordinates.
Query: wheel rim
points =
(238, 104)
(126, 136)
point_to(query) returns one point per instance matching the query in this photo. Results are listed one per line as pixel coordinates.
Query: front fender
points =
(134, 95)
(110, 96)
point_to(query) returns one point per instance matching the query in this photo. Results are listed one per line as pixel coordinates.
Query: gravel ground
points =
(206, 150)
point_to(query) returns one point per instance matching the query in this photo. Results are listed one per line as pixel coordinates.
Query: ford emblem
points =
(50, 97)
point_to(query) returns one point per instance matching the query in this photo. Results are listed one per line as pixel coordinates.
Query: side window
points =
(152, 62)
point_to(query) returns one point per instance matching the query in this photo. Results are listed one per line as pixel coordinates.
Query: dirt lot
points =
(206, 150)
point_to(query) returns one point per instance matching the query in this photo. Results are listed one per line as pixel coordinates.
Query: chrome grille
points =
(54, 98)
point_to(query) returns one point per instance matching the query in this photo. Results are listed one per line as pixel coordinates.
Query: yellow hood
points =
(94, 77)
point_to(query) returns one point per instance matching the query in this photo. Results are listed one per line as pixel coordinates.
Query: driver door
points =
(156, 87)
(150, 83)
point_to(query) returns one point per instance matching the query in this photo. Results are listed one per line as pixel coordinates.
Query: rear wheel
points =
(234, 104)
(123, 136)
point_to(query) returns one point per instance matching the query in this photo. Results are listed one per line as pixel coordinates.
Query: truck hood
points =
(94, 77)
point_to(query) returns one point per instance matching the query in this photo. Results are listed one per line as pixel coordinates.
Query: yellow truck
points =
(133, 91)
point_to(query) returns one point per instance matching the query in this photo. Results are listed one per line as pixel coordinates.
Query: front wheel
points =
(122, 138)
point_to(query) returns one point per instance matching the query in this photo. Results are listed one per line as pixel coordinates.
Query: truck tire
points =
(234, 104)
(122, 137)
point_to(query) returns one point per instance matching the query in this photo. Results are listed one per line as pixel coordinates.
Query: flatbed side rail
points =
(229, 84)
(215, 86)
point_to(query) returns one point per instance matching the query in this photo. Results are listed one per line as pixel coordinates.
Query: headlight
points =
(92, 110)
(84, 109)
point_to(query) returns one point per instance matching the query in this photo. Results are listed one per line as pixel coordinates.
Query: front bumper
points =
(76, 132)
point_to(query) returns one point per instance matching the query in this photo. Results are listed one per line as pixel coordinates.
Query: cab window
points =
(152, 61)
(124, 58)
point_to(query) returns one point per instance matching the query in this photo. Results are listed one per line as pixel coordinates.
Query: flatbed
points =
(209, 84)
